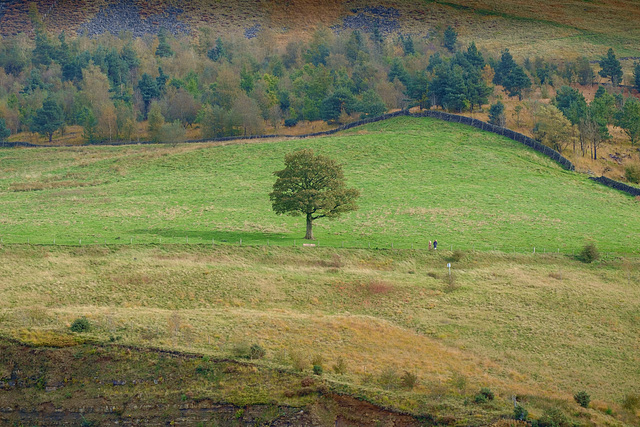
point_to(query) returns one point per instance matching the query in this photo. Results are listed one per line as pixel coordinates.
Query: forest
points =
(170, 88)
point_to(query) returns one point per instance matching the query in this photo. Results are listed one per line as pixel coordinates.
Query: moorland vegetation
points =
(108, 251)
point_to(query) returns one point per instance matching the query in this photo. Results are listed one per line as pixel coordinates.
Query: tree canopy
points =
(611, 68)
(48, 119)
(311, 185)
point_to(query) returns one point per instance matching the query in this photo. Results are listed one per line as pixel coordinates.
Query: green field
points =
(420, 179)
(537, 326)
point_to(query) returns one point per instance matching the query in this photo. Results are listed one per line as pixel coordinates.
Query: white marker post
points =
(449, 267)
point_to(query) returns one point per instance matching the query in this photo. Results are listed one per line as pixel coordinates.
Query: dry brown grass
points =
(511, 326)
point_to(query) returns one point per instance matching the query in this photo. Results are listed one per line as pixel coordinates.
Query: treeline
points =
(109, 85)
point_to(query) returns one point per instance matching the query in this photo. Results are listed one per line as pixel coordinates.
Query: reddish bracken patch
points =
(380, 287)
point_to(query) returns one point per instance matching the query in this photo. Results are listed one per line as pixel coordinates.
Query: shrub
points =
(256, 352)
(317, 359)
(317, 369)
(487, 392)
(631, 402)
(480, 398)
(408, 380)
(632, 173)
(299, 361)
(520, 414)
(388, 379)
(452, 285)
(457, 255)
(589, 253)
(582, 398)
(80, 325)
(552, 417)
(484, 395)
(172, 132)
(291, 122)
(242, 350)
(340, 367)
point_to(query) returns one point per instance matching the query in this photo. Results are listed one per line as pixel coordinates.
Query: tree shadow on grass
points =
(176, 235)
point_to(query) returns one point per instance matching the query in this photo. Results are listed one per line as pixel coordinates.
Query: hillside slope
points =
(420, 179)
(552, 29)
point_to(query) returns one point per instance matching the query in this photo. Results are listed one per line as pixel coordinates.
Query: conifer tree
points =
(611, 68)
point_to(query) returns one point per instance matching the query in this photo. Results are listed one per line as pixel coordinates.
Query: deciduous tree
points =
(314, 186)
(553, 129)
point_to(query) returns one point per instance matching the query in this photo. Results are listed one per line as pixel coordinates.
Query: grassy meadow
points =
(537, 326)
(420, 179)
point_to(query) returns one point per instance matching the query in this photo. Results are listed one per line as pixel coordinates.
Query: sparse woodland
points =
(169, 88)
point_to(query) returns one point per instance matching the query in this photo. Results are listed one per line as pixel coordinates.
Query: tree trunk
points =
(309, 235)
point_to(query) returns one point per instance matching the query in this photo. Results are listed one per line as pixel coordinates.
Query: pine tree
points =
(450, 38)
(149, 90)
(496, 114)
(611, 68)
(572, 104)
(164, 49)
(48, 119)
(629, 119)
(4, 131)
(474, 57)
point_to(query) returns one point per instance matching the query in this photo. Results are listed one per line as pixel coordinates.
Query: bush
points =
(484, 395)
(451, 284)
(299, 361)
(408, 380)
(631, 402)
(256, 352)
(552, 417)
(520, 414)
(388, 379)
(317, 369)
(340, 367)
(172, 133)
(291, 122)
(80, 325)
(632, 173)
(582, 398)
(242, 350)
(589, 253)
(457, 255)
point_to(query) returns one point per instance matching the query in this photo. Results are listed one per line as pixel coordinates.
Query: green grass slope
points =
(420, 179)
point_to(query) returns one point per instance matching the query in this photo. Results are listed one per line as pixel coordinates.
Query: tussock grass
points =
(511, 326)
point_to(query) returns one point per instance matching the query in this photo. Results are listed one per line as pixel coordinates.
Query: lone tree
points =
(311, 185)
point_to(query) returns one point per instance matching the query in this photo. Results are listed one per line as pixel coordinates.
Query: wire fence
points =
(378, 245)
